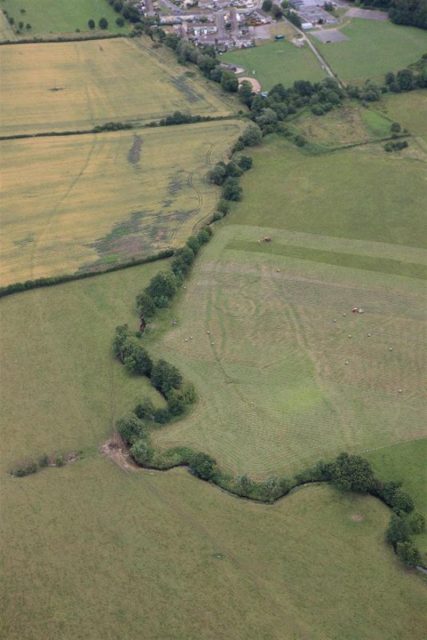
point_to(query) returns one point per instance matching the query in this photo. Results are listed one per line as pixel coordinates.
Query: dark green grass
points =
(353, 261)
(358, 193)
(59, 16)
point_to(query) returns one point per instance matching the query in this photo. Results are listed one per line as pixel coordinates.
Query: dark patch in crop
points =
(142, 234)
(22, 242)
(190, 94)
(134, 153)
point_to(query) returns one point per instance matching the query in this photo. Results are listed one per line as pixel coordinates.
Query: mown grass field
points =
(101, 553)
(76, 85)
(276, 62)
(56, 16)
(281, 384)
(89, 201)
(373, 48)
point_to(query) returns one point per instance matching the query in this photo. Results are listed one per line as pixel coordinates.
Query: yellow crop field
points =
(76, 85)
(87, 201)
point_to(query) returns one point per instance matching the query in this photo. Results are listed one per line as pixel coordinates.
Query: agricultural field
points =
(128, 545)
(56, 16)
(276, 62)
(131, 543)
(77, 85)
(406, 462)
(6, 31)
(60, 388)
(91, 201)
(286, 373)
(351, 124)
(373, 48)
(410, 110)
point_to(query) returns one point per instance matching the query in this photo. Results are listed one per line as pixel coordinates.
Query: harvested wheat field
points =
(89, 201)
(76, 85)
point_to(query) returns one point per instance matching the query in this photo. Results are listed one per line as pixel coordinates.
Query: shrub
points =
(417, 523)
(24, 469)
(130, 428)
(352, 473)
(103, 23)
(165, 377)
(120, 22)
(141, 451)
(59, 460)
(204, 235)
(232, 190)
(120, 339)
(162, 288)
(145, 305)
(162, 416)
(408, 553)
(43, 461)
(202, 466)
(245, 162)
(223, 206)
(194, 244)
(136, 358)
(145, 409)
(398, 530)
(91, 24)
(252, 136)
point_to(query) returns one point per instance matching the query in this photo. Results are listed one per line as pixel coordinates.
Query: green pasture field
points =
(406, 462)
(276, 62)
(91, 551)
(90, 201)
(60, 388)
(77, 85)
(361, 193)
(410, 110)
(6, 31)
(57, 16)
(374, 48)
(351, 124)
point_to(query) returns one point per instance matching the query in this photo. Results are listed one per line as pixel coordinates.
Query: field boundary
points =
(62, 39)
(21, 287)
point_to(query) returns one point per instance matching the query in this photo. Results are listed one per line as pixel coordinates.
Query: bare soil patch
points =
(256, 86)
(116, 450)
(329, 35)
(357, 517)
(367, 14)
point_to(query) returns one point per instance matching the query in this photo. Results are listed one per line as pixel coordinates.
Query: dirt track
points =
(256, 87)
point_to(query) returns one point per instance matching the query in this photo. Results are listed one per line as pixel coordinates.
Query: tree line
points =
(405, 12)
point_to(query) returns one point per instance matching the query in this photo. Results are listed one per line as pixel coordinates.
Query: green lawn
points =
(374, 47)
(90, 551)
(277, 62)
(57, 16)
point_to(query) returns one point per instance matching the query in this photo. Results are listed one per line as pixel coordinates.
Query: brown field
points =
(76, 85)
(87, 201)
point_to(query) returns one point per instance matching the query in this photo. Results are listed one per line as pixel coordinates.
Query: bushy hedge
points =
(19, 287)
